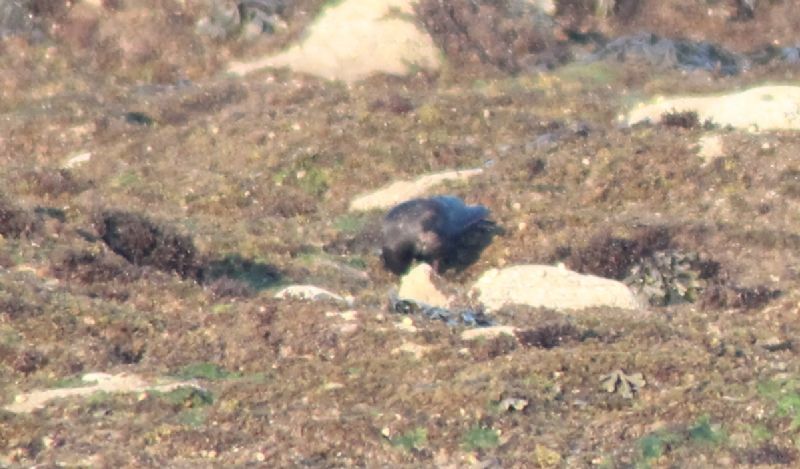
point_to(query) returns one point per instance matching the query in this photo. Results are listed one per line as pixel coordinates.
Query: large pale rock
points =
(756, 109)
(550, 287)
(353, 39)
(418, 285)
(401, 191)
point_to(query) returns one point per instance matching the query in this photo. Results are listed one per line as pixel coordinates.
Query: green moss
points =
(186, 396)
(429, 115)
(72, 382)
(98, 398)
(480, 437)
(704, 432)
(653, 445)
(350, 223)
(194, 417)
(125, 180)
(760, 433)
(589, 74)
(786, 395)
(208, 371)
(221, 308)
(412, 439)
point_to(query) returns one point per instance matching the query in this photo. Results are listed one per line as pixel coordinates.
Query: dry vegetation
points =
(160, 255)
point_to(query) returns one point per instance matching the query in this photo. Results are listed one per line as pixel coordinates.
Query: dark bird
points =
(441, 230)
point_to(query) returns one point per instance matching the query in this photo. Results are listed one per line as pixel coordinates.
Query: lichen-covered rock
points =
(667, 277)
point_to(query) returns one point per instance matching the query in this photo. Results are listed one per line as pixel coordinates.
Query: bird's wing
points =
(457, 216)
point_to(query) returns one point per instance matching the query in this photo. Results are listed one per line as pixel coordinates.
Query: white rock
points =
(757, 109)
(549, 287)
(353, 39)
(307, 292)
(418, 285)
(401, 191)
(78, 159)
(488, 332)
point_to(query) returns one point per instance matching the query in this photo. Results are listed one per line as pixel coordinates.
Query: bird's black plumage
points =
(429, 229)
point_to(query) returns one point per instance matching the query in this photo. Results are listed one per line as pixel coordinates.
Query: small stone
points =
(488, 332)
(406, 325)
(77, 159)
(260, 457)
(513, 403)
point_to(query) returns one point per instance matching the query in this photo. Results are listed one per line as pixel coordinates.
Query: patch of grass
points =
(786, 394)
(357, 262)
(204, 370)
(186, 396)
(194, 417)
(350, 222)
(479, 437)
(127, 179)
(72, 382)
(307, 175)
(588, 75)
(221, 308)
(315, 181)
(98, 398)
(9, 336)
(412, 439)
(760, 433)
(706, 433)
(654, 445)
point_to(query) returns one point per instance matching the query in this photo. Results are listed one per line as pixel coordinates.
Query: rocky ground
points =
(152, 206)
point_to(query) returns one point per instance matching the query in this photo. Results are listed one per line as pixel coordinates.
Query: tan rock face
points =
(418, 285)
(760, 108)
(354, 39)
(550, 287)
